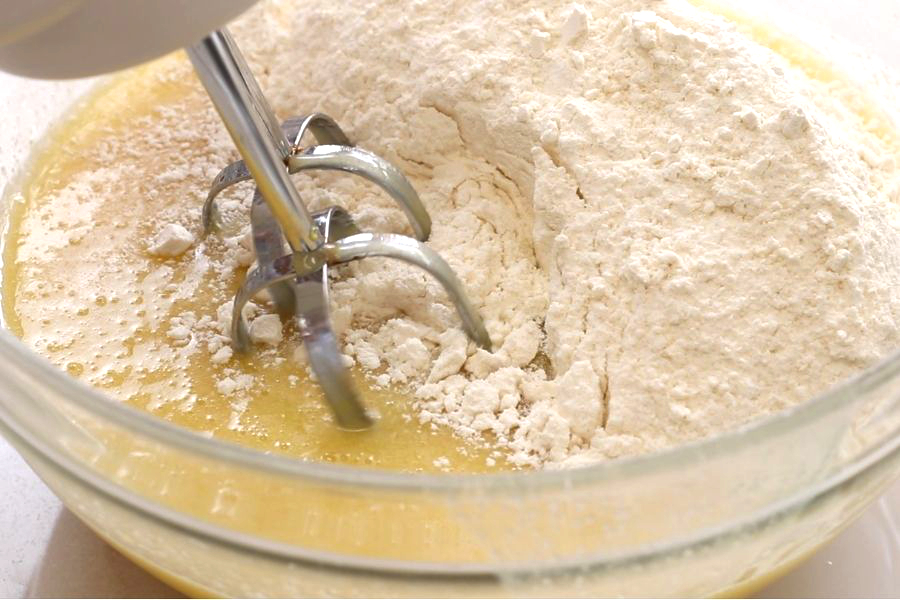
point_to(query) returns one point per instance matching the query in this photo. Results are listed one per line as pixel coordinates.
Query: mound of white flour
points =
(669, 230)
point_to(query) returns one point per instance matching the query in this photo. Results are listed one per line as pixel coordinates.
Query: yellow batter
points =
(81, 288)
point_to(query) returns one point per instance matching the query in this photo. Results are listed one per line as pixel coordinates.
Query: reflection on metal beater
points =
(298, 281)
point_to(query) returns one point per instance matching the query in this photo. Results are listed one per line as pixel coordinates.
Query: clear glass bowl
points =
(717, 517)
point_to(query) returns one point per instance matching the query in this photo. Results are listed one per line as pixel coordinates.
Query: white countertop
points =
(47, 552)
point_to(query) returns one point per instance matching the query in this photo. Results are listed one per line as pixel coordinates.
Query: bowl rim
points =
(888, 447)
(17, 356)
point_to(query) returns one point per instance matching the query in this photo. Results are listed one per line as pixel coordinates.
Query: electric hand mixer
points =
(296, 280)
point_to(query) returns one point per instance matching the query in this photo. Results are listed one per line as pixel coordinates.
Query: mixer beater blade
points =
(298, 281)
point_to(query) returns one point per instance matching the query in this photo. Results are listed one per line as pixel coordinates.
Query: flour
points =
(266, 329)
(669, 230)
(172, 240)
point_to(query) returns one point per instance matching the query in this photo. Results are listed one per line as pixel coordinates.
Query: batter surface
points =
(86, 288)
(672, 226)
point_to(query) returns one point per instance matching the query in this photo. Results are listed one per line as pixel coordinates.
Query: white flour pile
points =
(669, 230)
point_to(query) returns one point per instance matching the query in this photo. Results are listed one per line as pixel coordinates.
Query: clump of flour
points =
(668, 229)
(171, 241)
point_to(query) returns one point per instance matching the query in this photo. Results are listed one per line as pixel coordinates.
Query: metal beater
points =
(298, 281)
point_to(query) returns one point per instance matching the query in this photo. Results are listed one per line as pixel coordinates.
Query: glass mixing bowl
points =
(716, 517)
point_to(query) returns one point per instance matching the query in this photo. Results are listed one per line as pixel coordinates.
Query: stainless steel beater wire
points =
(249, 120)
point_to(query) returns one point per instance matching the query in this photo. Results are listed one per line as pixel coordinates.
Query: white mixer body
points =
(63, 39)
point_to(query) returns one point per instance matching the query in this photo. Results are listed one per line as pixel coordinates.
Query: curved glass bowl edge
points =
(17, 356)
(868, 461)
